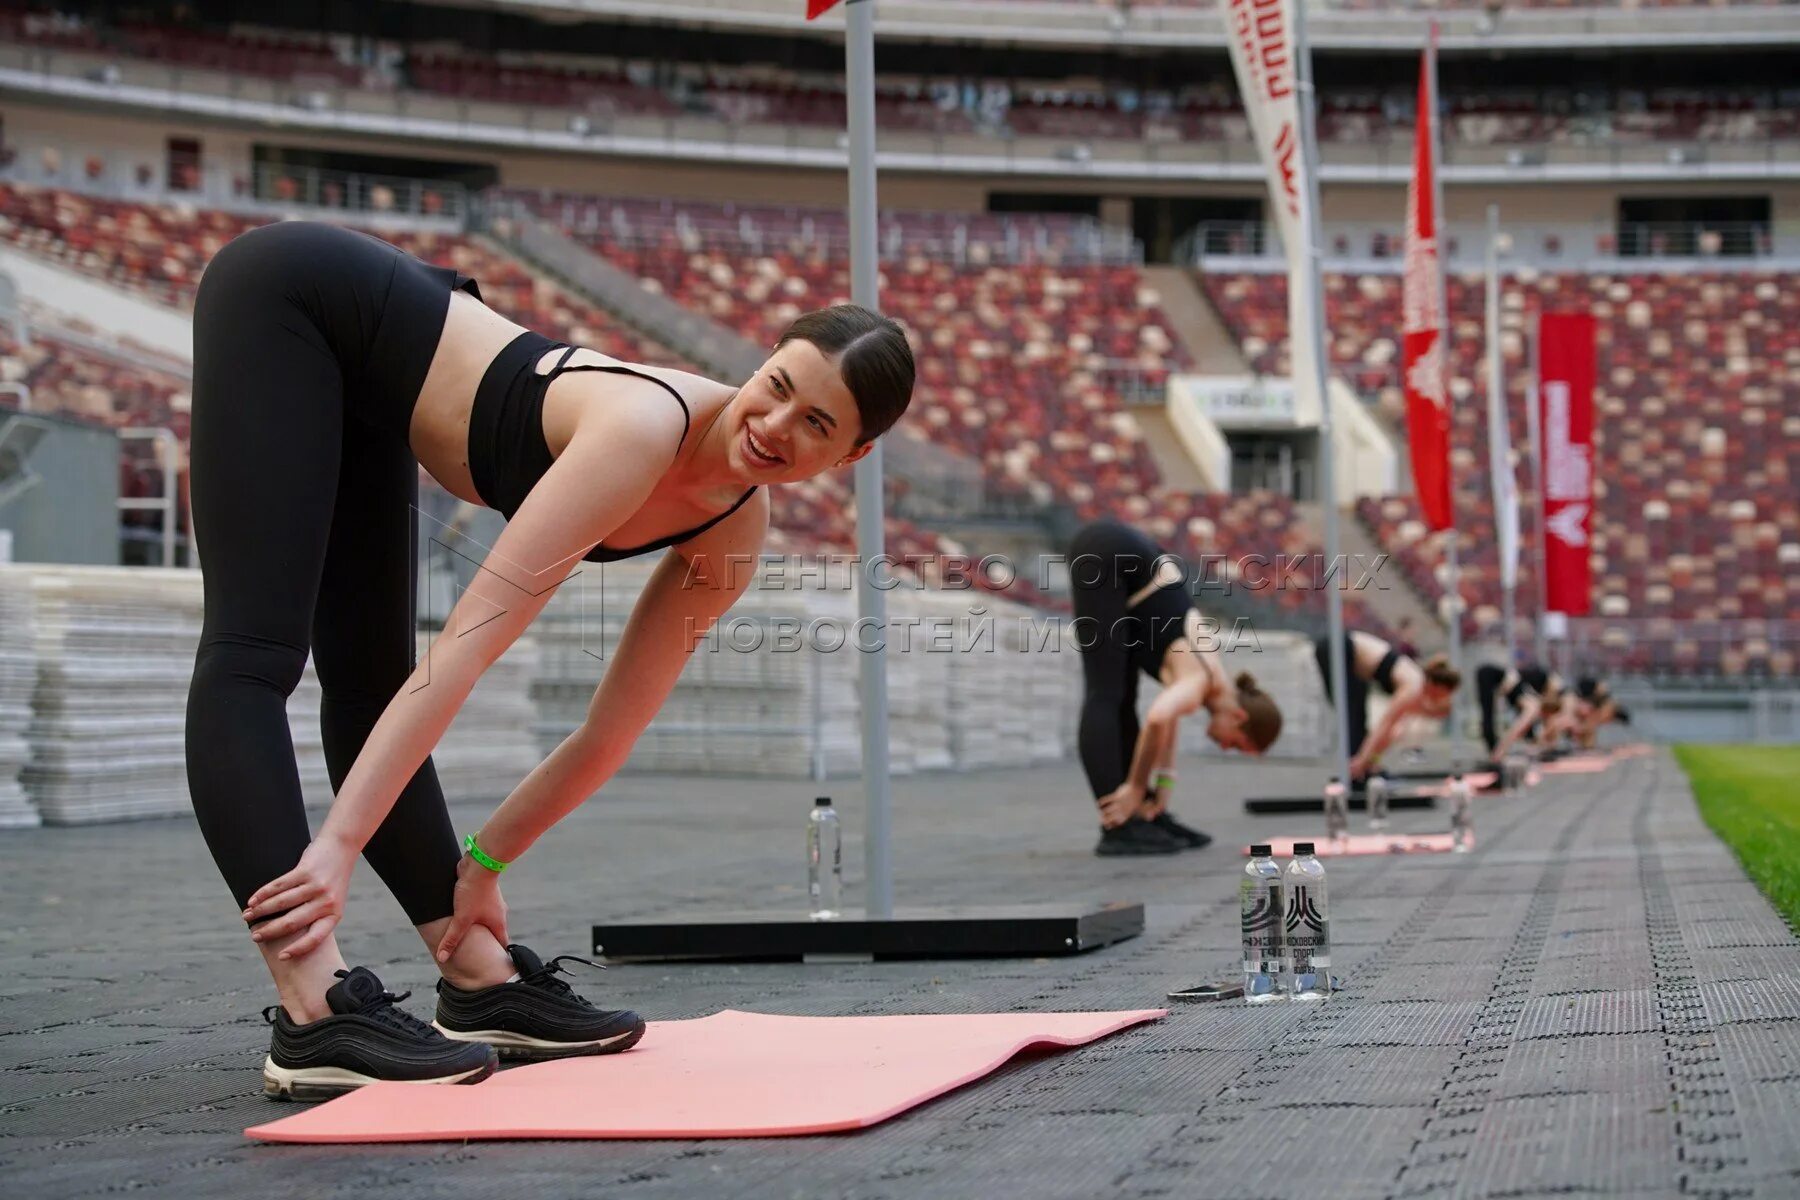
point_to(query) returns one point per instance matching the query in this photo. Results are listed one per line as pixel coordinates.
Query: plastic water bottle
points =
(1308, 927)
(1462, 814)
(1261, 910)
(1337, 809)
(1378, 802)
(1518, 769)
(824, 860)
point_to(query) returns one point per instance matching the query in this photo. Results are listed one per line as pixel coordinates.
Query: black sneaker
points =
(365, 1040)
(537, 1017)
(1189, 837)
(1137, 836)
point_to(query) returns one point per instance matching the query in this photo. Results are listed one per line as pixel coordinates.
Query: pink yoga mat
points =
(1367, 843)
(1476, 780)
(733, 1074)
(1576, 766)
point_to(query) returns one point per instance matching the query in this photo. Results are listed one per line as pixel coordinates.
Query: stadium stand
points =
(1696, 513)
(159, 249)
(1040, 417)
(1551, 115)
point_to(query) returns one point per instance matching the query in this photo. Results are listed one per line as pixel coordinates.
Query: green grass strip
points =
(1750, 796)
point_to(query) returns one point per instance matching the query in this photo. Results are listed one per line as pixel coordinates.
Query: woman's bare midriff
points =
(439, 433)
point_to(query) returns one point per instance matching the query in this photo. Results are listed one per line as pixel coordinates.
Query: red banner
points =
(1422, 316)
(818, 8)
(1566, 472)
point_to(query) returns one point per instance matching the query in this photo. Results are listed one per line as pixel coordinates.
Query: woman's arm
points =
(687, 593)
(1156, 741)
(1529, 707)
(604, 476)
(1408, 700)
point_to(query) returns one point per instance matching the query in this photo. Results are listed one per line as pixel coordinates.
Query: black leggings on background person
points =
(1109, 562)
(1490, 687)
(1488, 678)
(311, 344)
(1356, 686)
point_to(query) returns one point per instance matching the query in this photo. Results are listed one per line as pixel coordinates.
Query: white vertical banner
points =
(1500, 464)
(1274, 73)
(1261, 36)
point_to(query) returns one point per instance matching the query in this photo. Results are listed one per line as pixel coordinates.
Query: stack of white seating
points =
(18, 679)
(115, 651)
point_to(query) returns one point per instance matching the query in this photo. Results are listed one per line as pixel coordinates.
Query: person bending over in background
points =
(1530, 691)
(1133, 614)
(1422, 690)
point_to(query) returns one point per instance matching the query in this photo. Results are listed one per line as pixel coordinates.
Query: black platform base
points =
(1019, 931)
(1305, 804)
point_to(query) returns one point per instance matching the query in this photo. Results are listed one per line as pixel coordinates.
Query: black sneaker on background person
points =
(1137, 836)
(366, 1039)
(536, 1016)
(1189, 837)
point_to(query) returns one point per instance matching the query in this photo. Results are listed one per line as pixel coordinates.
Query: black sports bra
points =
(507, 450)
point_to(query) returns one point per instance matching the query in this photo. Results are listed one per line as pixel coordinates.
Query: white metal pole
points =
(1497, 403)
(1328, 507)
(859, 90)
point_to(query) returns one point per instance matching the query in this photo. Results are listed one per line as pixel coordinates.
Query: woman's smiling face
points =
(795, 418)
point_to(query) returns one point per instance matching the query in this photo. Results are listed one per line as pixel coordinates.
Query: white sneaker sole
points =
(317, 1083)
(518, 1045)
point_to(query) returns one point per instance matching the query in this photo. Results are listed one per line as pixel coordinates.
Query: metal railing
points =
(1355, 24)
(138, 84)
(315, 187)
(1735, 653)
(961, 239)
(267, 188)
(1373, 248)
(1695, 239)
(168, 452)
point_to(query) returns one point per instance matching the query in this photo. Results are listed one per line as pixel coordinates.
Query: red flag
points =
(1422, 318)
(1566, 471)
(818, 8)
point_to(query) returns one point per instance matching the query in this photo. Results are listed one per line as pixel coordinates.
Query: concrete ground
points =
(1595, 1001)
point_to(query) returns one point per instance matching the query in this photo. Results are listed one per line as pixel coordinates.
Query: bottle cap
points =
(1303, 847)
(1261, 851)
(822, 802)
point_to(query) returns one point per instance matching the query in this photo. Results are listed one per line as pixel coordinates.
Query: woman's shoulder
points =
(689, 386)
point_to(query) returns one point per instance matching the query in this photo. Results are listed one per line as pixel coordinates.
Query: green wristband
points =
(1162, 778)
(483, 857)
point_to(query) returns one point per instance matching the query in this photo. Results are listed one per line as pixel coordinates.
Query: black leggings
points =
(1488, 679)
(310, 346)
(1108, 563)
(1357, 686)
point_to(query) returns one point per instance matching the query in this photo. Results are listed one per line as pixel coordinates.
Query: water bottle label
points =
(1307, 929)
(1262, 920)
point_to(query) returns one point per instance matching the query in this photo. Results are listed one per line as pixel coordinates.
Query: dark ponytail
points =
(1439, 672)
(874, 360)
(1262, 718)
